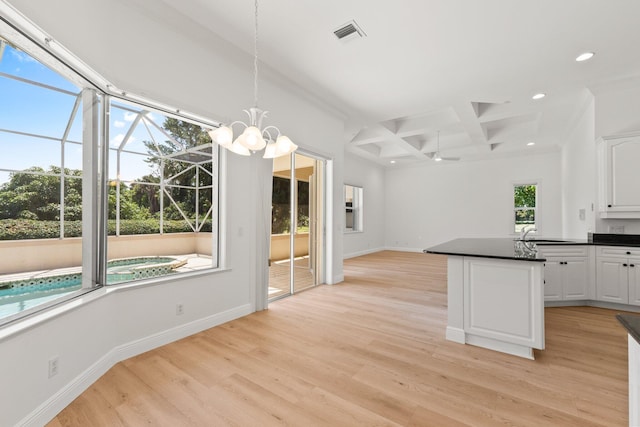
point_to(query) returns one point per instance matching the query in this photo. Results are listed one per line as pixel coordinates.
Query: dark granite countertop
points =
(509, 248)
(488, 248)
(604, 239)
(631, 323)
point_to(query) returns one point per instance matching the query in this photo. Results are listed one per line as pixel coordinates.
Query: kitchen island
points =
(495, 294)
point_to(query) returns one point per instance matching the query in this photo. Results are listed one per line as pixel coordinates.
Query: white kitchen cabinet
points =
(618, 275)
(633, 274)
(612, 284)
(566, 272)
(619, 176)
(634, 381)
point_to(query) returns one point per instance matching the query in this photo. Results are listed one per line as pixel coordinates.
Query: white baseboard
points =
(360, 253)
(455, 335)
(56, 403)
(339, 278)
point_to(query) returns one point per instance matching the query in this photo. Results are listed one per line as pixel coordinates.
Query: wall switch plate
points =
(53, 366)
(582, 214)
(616, 229)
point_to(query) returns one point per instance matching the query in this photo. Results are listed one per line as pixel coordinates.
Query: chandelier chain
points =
(255, 58)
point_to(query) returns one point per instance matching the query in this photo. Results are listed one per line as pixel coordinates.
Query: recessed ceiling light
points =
(539, 95)
(392, 161)
(531, 143)
(585, 56)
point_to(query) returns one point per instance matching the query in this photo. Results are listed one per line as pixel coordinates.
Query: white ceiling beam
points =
(468, 114)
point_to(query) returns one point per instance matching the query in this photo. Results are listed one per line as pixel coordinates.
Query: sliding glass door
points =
(297, 243)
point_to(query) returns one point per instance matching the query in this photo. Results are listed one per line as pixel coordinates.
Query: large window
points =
(525, 205)
(160, 187)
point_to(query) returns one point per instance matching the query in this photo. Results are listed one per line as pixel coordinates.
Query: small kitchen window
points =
(353, 197)
(525, 206)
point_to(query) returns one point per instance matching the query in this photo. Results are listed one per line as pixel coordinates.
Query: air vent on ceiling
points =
(348, 31)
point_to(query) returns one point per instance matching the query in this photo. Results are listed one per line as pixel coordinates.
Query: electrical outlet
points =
(53, 366)
(179, 309)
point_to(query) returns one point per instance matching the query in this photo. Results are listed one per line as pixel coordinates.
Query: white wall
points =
(434, 203)
(371, 177)
(579, 175)
(207, 76)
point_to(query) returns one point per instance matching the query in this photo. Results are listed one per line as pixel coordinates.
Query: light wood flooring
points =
(367, 352)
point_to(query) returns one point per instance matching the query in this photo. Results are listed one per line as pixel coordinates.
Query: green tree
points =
(525, 202)
(35, 194)
(525, 196)
(129, 209)
(181, 186)
(145, 195)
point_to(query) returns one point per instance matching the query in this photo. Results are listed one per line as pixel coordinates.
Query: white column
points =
(263, 184)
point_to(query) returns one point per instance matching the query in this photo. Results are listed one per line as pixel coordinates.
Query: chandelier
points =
(254, 137)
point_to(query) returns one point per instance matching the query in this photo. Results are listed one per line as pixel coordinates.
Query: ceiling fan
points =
(436, 156)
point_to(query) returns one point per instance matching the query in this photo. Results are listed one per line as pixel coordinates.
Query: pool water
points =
(19, 295)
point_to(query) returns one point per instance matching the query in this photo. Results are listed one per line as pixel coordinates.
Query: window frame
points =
(535, 183)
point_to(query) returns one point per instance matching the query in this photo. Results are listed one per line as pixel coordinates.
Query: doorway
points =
(296, 255)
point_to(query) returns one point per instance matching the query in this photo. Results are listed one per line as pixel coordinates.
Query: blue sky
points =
(32, 109)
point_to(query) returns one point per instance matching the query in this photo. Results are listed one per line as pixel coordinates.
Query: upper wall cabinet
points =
(619, 175)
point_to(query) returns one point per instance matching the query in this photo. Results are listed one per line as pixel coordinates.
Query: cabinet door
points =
(575, 279)
(553, 280)
(634, 281)
(623, 175)
(611, 280)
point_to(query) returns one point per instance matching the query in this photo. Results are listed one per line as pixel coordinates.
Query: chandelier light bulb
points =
(222, 136)
(252, 139)
(238, 148)
(270, 152)
(284, 144)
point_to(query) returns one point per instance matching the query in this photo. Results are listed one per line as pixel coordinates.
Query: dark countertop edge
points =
(510, 258)
(559, 242)
(631, 323)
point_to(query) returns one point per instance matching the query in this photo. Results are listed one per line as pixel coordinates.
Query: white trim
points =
(403, 249)
(501, 346)
(538, 222)
(329, 224)
(360, 253)
(455, 335)
(56, 403)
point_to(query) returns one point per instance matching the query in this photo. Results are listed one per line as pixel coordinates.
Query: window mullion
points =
(90, 198)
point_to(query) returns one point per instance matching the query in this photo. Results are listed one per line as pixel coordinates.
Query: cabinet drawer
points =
(556, 251)
(621, 251)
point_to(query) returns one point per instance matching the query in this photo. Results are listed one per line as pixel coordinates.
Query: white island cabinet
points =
(495, 295)
(632, 324)
(496, 304)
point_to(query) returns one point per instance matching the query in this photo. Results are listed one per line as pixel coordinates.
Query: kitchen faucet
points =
(525, 231)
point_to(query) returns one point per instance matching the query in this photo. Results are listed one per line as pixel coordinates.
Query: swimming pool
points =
(42, 289)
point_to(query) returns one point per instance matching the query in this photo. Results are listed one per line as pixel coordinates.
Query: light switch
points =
(582, 214)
